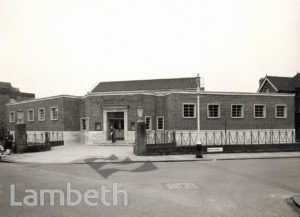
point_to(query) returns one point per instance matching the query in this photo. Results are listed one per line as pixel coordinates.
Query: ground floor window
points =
(213, 111)
(188, 110)
(54, 113)
(148, 123)
(160, 123)
(30, 115)
(82, 124)
(41, 114)
(259, 111)
(280, 111)
(237, 111)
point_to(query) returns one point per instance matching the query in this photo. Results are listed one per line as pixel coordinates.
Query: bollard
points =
(198, 151)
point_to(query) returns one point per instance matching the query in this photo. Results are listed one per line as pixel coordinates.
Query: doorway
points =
(116, 120)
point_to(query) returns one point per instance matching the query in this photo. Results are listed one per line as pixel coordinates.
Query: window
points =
(41, 114)
(280, 111)
(189, 111)
(259, 111)
(148, 122)
(54, 113)
(237, 111)
(30, 115)
(82, 124)
(213, 111)
(160, 123)
(12, 117)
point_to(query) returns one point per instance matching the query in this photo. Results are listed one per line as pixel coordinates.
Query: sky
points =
(53, 47)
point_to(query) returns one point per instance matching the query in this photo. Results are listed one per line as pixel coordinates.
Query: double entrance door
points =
(115, 120)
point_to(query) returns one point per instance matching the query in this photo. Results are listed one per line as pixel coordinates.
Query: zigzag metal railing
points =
(40, 138)
(221, 137)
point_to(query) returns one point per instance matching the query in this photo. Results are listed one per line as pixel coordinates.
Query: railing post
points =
(244, 135)
(272, 136)
(155, 138)
(266, 134)
(190, 137)
(279, 136)
(181, 138)
(258, 135)
(229, 135)
(251, 137)
(206, 138)
(293, 139)
(285, 136)
(221, 137)
(174, 137)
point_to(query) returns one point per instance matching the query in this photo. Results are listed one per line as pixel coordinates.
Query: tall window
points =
(259, 111)
(189, 110)
(82, 124)
(12, 117)
(41, 114)
(213, 111)
(30, 115)
(280, 111)
(237, 111)
(160, 123)
(54, 113)
(148, 123)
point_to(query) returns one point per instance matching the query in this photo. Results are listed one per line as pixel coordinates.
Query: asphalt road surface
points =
(203, 188)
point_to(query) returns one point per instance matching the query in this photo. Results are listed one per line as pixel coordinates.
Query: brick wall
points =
(70, 110)
(5, 96)
(94, 107)
(35, 125)
(177, 122)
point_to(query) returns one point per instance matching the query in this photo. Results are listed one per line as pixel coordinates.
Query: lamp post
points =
(140, 134)
(20, 117)
(140, 112)
(198, 145)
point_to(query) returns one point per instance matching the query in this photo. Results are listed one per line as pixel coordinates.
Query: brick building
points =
(168, 104)
(275, 84)
(7, 94)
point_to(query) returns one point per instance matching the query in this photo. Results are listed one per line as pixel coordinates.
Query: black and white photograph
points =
(150, 108)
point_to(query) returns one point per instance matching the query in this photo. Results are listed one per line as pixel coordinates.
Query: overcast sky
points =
(52, 47)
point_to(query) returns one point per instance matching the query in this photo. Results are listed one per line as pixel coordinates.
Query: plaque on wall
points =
(98, 126)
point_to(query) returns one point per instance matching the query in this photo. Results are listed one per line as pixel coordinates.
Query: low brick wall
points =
(169, 149)
(38, 147)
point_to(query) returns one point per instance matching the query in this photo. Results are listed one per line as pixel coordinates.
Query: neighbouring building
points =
(9, 94)
(275, 84)
(168, 105)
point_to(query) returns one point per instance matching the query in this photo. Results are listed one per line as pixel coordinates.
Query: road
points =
(203, 188)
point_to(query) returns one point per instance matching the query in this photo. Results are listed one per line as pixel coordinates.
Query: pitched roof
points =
(282, 83)
(155, 84)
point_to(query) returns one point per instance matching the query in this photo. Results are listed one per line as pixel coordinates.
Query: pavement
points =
(247, 188)
(69, 154)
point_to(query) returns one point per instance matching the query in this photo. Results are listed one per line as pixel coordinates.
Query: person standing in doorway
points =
(113, 134)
